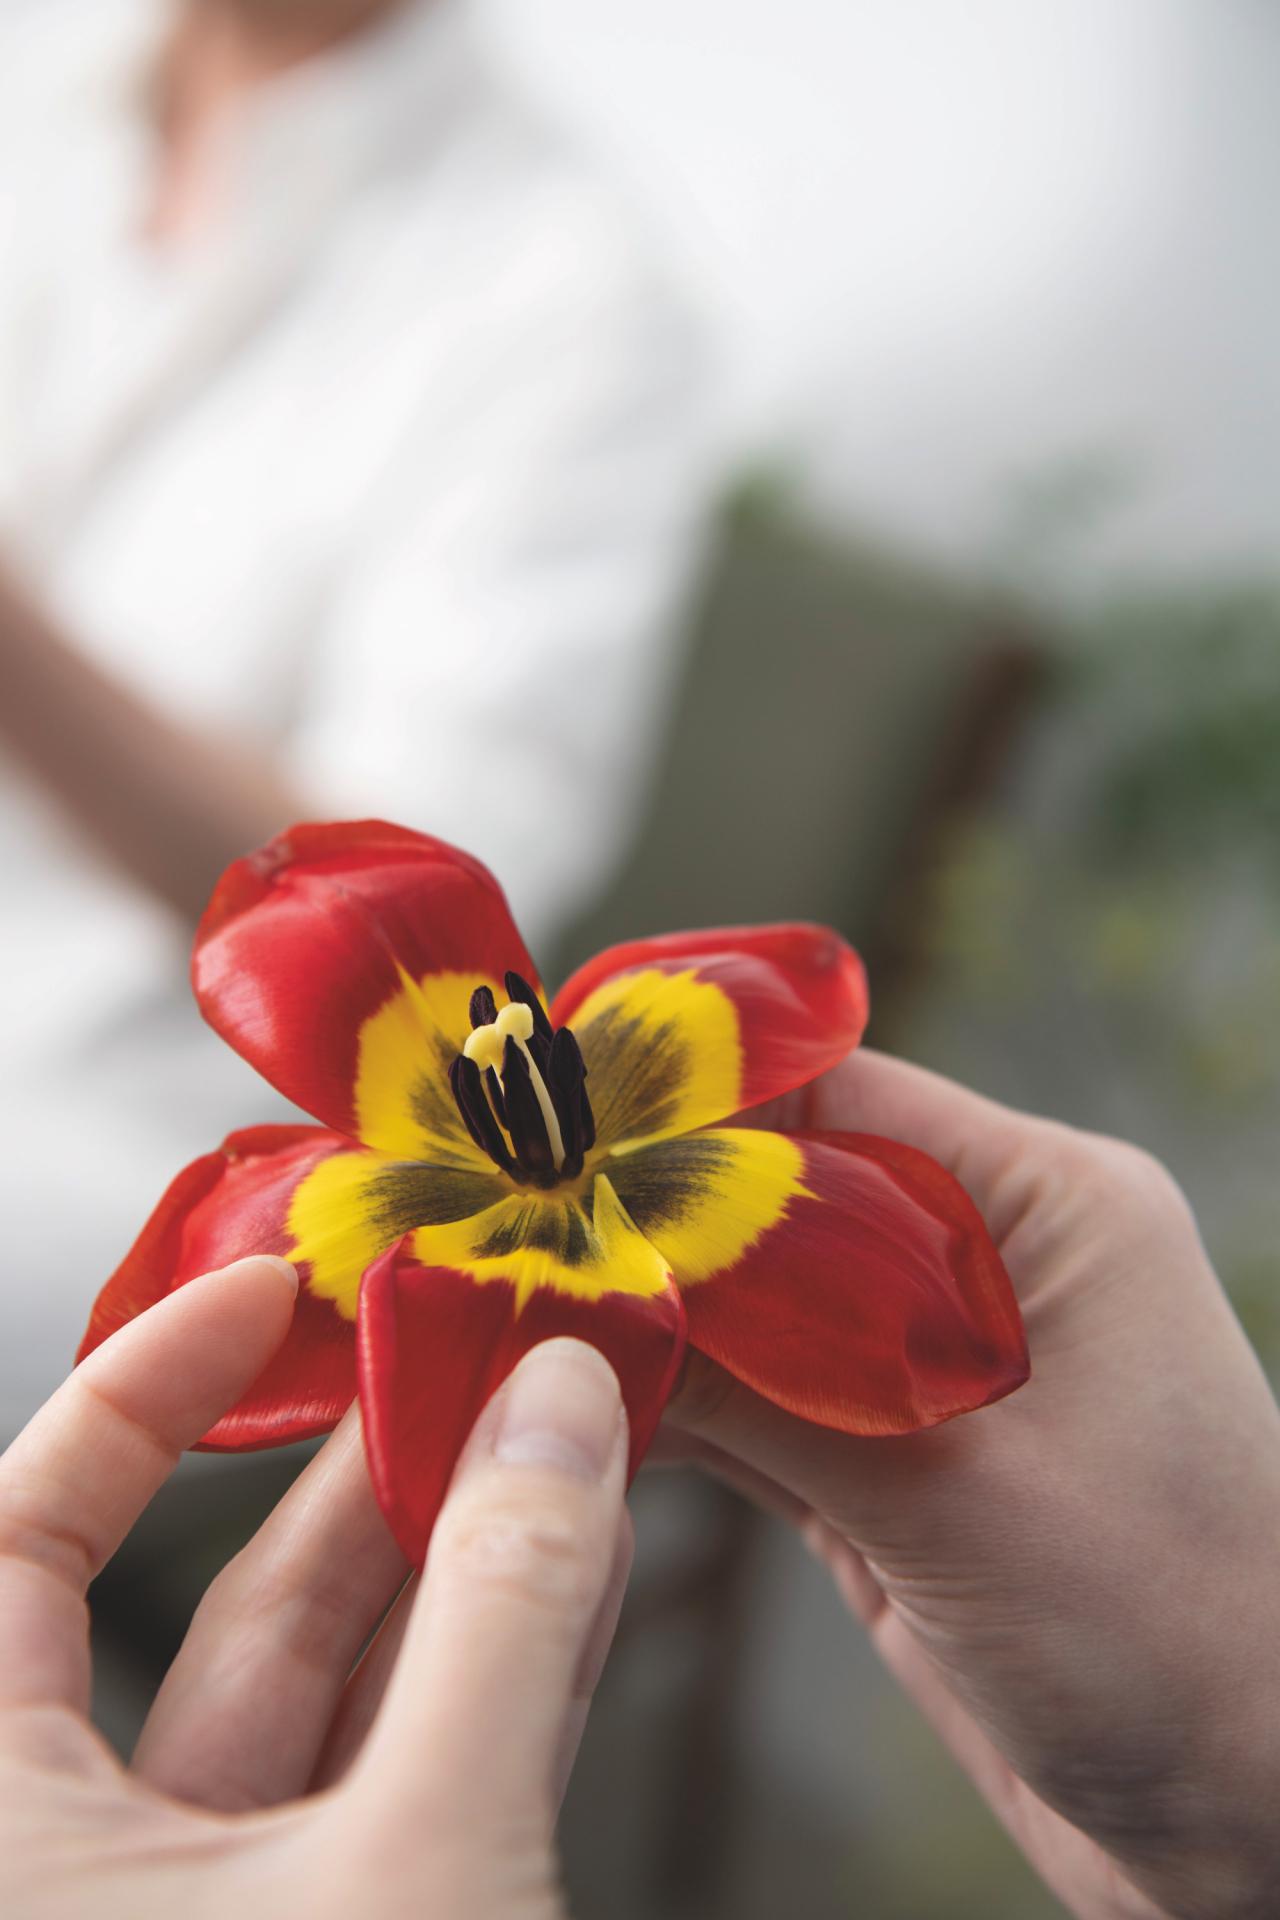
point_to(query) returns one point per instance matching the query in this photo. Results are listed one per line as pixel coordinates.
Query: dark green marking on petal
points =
(556, 1227)
(412, 1194)
(664, 1183)
(637, 1071)
(431, 1100)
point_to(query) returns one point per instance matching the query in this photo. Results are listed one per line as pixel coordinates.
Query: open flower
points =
(489, 1171)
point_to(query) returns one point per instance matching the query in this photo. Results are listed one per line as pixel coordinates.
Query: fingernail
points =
(282, 1266)
(562, 1409)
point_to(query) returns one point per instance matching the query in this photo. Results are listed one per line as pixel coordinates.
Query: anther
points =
(484, 1008)
(530, 1135)
(464, 1078)
(566, 1074)
(518, 989)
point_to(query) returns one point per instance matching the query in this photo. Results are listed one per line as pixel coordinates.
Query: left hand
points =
(268, 1778)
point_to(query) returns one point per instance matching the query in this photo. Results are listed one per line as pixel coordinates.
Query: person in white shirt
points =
(352, 460)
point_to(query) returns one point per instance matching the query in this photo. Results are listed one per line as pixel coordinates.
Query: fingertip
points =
(562, 1408)
(230, 1320)
(578, 1356)
(256, 1265)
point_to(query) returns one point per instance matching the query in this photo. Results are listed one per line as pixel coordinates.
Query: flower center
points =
(519, 1085)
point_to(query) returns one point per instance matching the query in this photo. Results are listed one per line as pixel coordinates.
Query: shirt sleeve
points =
(494, 667)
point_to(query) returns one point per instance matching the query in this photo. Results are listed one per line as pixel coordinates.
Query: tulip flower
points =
(490, 1170)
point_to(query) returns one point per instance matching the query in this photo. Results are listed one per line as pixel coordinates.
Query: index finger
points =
(520, 1562)
(80, 1473)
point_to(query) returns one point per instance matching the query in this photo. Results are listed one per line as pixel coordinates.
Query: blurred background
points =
(871, 413)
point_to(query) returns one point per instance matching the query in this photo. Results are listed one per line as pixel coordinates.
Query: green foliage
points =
(1107, 937)
(1197, 679)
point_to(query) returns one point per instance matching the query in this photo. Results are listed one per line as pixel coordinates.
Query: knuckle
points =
(30, 1536)
(535, 1544)
(1130, 1174)
(309, 1611)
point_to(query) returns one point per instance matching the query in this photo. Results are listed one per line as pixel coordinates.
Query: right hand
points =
(267, 1781)
(1080, 1586)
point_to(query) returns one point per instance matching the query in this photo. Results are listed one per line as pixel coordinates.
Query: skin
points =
(440, 1802)
(1078, 1585)
(169, 805)
(218, 51)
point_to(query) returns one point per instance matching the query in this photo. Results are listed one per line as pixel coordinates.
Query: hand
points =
(1078, 1585)
(439, 1798)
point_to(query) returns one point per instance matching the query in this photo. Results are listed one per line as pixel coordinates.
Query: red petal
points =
(878, 1303)
(799, 995)
(224, 1206)
(434, 1345)
(306, 939)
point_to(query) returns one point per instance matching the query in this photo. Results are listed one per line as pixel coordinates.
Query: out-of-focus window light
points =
(956, 249)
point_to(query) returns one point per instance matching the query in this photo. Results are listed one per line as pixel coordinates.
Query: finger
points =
(1004, 1159)
(78, 1476)
(1041, 1834)
(364, 1691)
(362, 1696)
(245, 1707)
(872, 1489)
(594, 1654)
(984, 1144)
(518, 1568)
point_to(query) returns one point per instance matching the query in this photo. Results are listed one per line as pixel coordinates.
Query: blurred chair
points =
(837, 705)
(839, 710)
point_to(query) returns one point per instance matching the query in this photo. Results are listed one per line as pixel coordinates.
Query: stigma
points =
(519, 1087)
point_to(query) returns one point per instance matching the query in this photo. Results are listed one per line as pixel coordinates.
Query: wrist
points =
(1197, 1832)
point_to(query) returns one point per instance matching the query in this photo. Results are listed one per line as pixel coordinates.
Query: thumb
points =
(995, 1152)
(1003, 1159)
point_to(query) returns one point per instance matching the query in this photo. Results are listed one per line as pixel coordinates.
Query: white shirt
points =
(397, 476)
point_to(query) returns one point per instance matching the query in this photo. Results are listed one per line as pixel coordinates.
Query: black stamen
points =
(484, 1008)
(468, 1091)
(457, 1080)
(492, 1100)
(540, 1050)
(494, 1085)
(525, 1123)
(519, 989)
(563, 1078)
(565, 1075)
(568, 1068)
(588, 1119)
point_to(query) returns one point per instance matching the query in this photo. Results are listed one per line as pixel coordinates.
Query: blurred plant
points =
(1149, 882)
(1197, 677)
(1108, 935)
